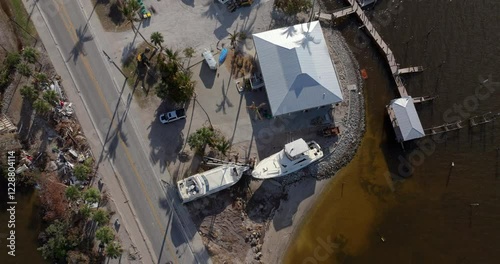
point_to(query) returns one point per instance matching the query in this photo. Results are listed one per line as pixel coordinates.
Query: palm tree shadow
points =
(224, 101)
(289, 31)
(78, 48)
(307, 39)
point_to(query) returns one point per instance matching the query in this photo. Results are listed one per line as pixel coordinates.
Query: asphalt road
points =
(84, 59)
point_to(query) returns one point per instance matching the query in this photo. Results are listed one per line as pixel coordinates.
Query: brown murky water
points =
(27, 227)
(420, 218)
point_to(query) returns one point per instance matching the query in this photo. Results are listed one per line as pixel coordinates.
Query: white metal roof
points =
(297, 69)
(407, 118)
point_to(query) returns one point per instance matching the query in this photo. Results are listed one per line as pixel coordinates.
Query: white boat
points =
(209, 182)
(295, 156)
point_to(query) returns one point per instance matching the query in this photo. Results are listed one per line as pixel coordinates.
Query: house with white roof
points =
(404, 119)
(296, 67)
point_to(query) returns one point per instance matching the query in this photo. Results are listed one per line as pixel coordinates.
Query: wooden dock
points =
(411, 70)
(391, 60)
(473, 121)
(444, 128)
(483, 119)
(422, 99)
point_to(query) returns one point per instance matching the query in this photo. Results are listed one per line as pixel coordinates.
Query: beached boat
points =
(209, 182)
(295, 156)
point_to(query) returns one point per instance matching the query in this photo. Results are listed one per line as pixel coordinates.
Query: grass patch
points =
(142, 87)
(20, 15)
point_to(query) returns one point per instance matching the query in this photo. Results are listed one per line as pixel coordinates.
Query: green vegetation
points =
(157, 40)
(85, 211)
(51, 97)
(129, 10)
(56, 244)
(72, 193)
(76, 257)
(12, 60)
(101, 217)
(105, 234)
(189, 52)
(41, 106)
(91, 195)
(30, 54)
(82, 172)
(29, 93)
(223, 146)
(24, 69)
(176, 83)
(22, 18)
(200, 139)
(234, 38)
(293, 7)
(40, 78)
(114, 250)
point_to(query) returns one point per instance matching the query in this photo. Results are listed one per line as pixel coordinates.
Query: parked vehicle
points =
(172, 116)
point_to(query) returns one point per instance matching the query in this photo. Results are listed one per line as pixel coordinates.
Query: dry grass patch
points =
(239, 64)
(110, 15)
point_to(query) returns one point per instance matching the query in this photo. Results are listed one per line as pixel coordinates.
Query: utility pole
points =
(208, 117)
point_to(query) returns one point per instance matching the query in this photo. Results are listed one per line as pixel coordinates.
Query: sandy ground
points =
(253, 219)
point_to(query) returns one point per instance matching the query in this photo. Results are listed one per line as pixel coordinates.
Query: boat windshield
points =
(206, 183)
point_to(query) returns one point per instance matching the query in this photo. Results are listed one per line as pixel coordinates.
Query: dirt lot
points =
(233, 221)
(8, 40)
(110, 15)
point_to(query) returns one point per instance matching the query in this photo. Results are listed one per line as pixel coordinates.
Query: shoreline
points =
(341, 153)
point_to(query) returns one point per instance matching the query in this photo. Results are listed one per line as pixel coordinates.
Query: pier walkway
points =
(391, 60)
(473, 121)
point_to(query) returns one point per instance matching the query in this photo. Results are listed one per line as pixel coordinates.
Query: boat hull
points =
(275, 166)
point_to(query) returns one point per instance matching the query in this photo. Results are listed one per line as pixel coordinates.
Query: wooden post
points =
(342, 190)
(470, 214)
(449, 173)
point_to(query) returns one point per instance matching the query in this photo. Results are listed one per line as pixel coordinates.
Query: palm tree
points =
(41, 106)
(157, 40)
(129, 10)
(24, 69)
(12, 60)
(92, 195)
(173, 56)
(81, 172)
(30, 54)
(234, 38)
(40, 78)
(29, 93)
(72, 193)
(114, 250)
(256, 109)
(202, 137)
(101, 216)
(85, 211)
(51, 97)
(223, 146)
(105, 234)
(189, 53)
